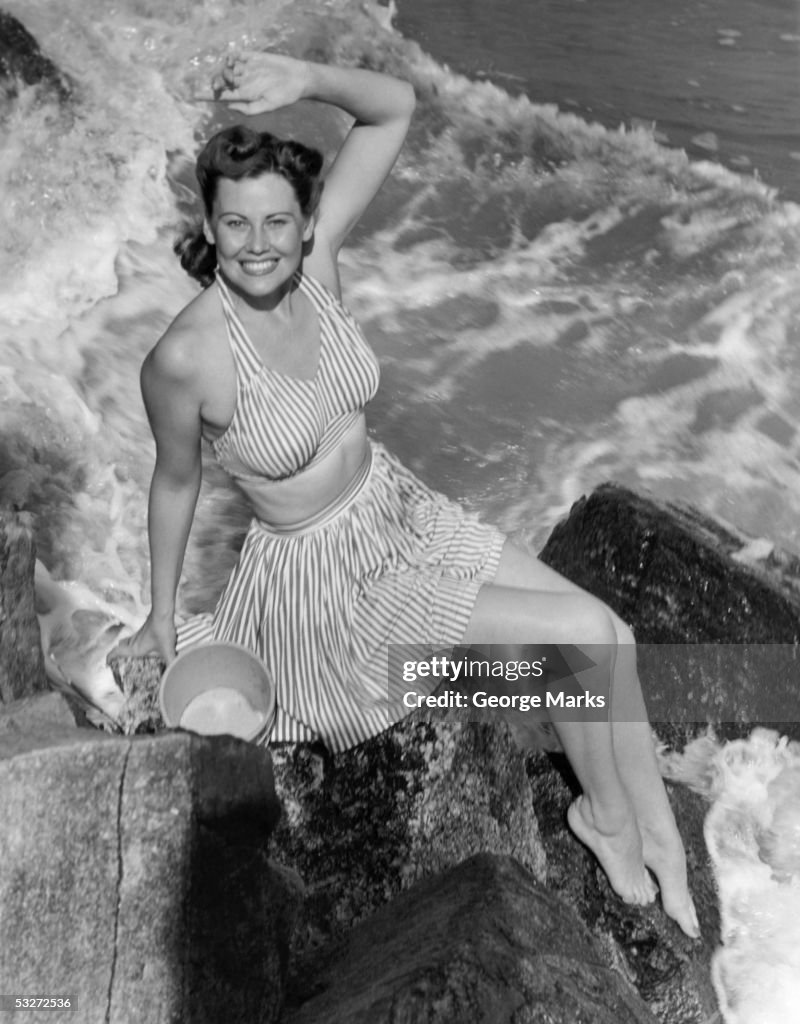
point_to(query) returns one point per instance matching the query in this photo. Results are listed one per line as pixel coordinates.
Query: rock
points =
(22, 60)
(483, 943)
(710, 627)
(424, 796)
(21, 664)
(715, 616)
(670, 971)
(134, 876)
(172, 851)
(363, 825)
(38, 714)
(683, 582)
(671, 571)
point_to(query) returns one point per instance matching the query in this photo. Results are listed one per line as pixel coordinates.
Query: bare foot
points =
(663, 853)
(619, 851)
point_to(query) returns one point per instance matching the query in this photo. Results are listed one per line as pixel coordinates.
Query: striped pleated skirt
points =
(390, 562)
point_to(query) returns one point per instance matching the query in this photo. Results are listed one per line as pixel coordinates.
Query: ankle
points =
(607, 818)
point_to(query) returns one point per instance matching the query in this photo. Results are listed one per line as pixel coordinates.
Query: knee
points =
(625, 637)
(596, 631)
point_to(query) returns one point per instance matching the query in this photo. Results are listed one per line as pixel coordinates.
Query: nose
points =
(259, 238)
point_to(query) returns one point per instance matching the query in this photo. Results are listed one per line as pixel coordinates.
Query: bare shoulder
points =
(182, 353)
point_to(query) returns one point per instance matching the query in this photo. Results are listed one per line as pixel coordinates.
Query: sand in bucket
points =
(219, 688)
(222, 710)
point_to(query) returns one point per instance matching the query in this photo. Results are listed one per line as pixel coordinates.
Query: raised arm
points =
(381, 106)
(174, 413)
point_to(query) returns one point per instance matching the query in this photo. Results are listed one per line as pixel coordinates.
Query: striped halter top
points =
(283, 424)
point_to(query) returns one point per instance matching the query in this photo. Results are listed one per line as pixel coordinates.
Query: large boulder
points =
(21, 664)
(135, 876)
(716, 616)
(361, 826)
(676, 575)
(484, 943)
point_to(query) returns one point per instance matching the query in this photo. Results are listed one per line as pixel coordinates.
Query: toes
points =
(665, 856)
(685, 917)
(678, 904)
(642, 893)
(694, 921)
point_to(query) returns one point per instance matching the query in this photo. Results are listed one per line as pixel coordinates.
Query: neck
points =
(268, 303)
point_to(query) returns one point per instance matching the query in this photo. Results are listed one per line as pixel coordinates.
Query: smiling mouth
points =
(257, 267)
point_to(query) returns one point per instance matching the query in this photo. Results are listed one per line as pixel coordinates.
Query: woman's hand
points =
(155, 636)
(254, 82)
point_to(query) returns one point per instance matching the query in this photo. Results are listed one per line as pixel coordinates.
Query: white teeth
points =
(258, 266)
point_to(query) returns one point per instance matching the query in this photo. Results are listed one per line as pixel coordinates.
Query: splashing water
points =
(752, 833)
(554, 304)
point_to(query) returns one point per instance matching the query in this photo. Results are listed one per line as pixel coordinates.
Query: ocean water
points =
(716, 77)
(584, 267)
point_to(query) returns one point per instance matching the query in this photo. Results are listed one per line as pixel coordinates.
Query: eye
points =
(235, 223)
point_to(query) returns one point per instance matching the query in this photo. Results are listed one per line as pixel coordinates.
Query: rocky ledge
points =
(439, 881)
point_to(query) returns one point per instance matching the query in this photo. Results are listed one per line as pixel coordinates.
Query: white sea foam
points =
(752, 832)
(753, 835)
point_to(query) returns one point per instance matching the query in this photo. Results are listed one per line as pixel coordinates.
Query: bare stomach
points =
(286, 502)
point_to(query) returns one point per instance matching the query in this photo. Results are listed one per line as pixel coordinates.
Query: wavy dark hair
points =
(237, 153)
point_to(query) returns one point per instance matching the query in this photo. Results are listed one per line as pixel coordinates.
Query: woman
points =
(348, 551)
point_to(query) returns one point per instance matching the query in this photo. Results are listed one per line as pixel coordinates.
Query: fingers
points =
(216, 96)
(138, 645)
(252, 82)
(128, 648)
(227, 77)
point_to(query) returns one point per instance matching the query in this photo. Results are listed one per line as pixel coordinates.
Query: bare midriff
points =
(286, 502)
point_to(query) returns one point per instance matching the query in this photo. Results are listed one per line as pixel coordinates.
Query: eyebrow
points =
(235, 213)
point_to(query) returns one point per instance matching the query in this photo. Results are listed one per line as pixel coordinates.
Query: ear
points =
(308, 230)
(208, 234)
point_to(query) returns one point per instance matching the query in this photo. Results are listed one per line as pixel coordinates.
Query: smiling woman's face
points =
(259, 231)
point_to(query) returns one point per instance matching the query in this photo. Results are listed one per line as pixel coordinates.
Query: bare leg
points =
(604, 817)
(632, 743)
(635, 754)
